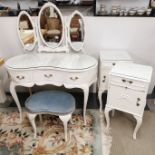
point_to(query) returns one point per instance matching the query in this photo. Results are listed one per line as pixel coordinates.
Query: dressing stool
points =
(57, 103)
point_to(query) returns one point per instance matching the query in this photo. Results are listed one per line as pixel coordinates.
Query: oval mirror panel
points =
(26, 31)
(51, 25)
(76, 31)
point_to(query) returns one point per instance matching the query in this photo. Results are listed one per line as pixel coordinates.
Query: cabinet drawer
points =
(129, 83)
(126, 100)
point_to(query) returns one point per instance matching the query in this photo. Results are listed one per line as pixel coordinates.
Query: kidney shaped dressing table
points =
(72, 70)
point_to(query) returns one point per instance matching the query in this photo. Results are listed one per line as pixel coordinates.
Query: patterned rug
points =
(17, 139)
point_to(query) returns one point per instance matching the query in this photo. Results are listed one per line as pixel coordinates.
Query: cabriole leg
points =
(139, 122)
(14, 95)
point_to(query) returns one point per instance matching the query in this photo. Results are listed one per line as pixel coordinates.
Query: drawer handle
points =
(113, 64)
(20, 77)
(130, 82)
(123, 80)
(48, 75)
(74, 78)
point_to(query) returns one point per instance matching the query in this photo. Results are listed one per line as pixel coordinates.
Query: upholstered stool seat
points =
(57, 103)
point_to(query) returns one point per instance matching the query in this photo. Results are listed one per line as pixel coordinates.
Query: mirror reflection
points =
(26, 31)
(51, 26)
(77, 31)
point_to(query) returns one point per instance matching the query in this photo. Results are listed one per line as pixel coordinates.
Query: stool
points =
(57, 103)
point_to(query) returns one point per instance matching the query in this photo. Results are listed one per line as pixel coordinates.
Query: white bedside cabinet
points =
(127, 90)
(108, 59)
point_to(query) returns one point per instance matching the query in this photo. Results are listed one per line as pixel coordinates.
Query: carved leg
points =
(65, 120)
(113, 113)
(86, 93)
(14, 95)
(94, 87)
(139, 122)
(32, 121)
(100, 99)
(106, 112)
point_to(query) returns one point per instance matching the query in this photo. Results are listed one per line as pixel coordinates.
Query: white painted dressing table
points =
(56, 68)
(70, 70)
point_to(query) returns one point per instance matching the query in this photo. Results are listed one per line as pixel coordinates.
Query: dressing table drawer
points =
(21, 76)
(44, 75)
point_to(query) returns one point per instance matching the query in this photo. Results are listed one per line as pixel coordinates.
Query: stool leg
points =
(32, 121)
(65, 120)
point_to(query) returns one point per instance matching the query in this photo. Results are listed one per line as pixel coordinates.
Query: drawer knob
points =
(103, 81)
(113, 64)
(74, 78)
(123, 80)
(138, 99)
(48, 75)
(20, 77)
(138, 104)
(104, 77)
(130, 82)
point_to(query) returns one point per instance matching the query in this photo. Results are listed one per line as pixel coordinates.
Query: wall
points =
(135, 34)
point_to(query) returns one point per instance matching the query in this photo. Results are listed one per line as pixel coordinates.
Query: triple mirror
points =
(51, 29)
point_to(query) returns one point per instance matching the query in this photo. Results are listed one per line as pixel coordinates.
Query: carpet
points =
(122, 126)
(17, 139)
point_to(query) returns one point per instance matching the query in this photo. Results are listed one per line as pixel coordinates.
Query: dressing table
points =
(52, 63)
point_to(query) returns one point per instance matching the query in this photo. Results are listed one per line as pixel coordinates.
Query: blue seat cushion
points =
(56, 102)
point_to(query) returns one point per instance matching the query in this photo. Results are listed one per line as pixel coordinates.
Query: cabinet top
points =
(112, 54)
(133, 71)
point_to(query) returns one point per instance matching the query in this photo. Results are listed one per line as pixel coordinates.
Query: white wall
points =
(134, 34)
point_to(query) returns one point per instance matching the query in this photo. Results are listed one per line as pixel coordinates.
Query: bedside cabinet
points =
(127, 90)
(108, 59)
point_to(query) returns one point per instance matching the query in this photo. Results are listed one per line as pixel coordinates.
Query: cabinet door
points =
(126, 99)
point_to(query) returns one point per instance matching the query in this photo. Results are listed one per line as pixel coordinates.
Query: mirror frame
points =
(33, 26)
(69, 38)
(46, 5)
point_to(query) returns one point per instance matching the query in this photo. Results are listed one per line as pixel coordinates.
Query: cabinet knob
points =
(113, 64)
(138, 104)
(130, 82)
(123, 80)
(103, 81)
(138, 99)
(104, 77)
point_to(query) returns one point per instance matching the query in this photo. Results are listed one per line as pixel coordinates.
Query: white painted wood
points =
(31, 118)
(108, 59)
(127, 90)
(65, 119)
(72, 75)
